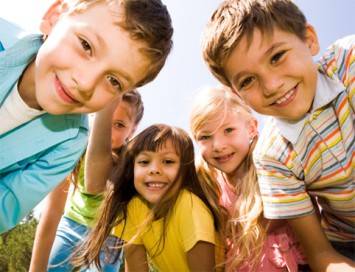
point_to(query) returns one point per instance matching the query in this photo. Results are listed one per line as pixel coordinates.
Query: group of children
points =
(281, 201)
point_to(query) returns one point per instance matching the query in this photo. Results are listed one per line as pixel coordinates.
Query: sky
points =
(169, 97)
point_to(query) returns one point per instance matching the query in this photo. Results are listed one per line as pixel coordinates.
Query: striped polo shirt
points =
(312, 160)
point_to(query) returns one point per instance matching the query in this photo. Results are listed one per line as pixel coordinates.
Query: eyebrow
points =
(266, 53)
(102, 43)
(272, 48)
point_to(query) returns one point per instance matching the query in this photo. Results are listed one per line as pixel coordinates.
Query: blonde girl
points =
(226, 133)
(156, 204)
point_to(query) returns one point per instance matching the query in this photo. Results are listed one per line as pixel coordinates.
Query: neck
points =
(27, 87)
(238, 174)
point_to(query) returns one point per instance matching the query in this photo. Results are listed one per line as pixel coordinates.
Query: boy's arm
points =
(320, 254)
(135, 258)
(22, 190)
(98, 158)
(46, 230)
(201, 257)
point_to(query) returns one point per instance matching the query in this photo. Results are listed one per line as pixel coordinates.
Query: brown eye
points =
(275, 58)
(85, 45)
(115, 83)
(245, 83)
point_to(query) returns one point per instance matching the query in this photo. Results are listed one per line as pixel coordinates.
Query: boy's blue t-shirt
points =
(36, 156)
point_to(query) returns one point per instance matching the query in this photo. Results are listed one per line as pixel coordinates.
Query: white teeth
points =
(155, 185)
(285, 97)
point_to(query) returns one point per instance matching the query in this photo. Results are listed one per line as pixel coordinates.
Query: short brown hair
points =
(235, 18)
(134, 99)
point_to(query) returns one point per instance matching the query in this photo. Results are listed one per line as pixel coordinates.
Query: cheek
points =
(204, 149)
(118, 138)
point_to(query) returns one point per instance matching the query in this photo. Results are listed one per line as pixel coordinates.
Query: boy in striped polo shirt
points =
(305, 156)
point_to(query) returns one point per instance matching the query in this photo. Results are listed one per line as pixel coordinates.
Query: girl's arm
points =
(98, 159)
(319, 252)
(46, 230)
(201, 257)
(135, 258)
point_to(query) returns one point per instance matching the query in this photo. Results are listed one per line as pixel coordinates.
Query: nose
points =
(86, 80)
(218, 144)
(272, 83)
(154, 169)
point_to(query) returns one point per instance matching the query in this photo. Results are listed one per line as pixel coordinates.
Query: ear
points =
(51, 16)
(311, 39)
(252, 128)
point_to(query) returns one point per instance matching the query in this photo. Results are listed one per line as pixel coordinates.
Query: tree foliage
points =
(16, 246)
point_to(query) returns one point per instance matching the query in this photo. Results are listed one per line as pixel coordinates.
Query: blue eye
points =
(114, 83)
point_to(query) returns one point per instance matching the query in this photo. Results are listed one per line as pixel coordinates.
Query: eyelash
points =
(275, 58)
(245, 83)
(85, 45)
(203, 137)
(119, 125)
(114, 83)
(143, 162)
(169, 161)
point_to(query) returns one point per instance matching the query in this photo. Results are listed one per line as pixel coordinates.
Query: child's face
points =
(155, 172)
(122, 124)
(275, 74)
(86, 61)
(225, 145)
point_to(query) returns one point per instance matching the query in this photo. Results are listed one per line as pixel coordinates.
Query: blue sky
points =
(168, 98)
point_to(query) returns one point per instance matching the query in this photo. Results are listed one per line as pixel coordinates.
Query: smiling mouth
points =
(155, 185)
(63, 93)
(287, 98)
(225, 158)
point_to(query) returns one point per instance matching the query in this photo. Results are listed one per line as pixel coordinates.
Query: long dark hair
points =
(121, 187)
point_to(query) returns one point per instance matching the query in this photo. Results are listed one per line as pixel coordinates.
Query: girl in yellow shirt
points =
(155, 203)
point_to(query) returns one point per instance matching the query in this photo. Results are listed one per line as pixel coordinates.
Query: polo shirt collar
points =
(326, 91)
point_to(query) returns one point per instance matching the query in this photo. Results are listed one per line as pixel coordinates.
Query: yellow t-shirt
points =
(191, 221)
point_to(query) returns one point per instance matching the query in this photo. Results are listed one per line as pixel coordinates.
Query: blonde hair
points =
(245, 226)
(234, 19)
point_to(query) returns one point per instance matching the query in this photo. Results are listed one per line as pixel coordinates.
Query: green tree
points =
(16, 246)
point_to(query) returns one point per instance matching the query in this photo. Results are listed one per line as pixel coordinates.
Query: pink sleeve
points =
(281, 250)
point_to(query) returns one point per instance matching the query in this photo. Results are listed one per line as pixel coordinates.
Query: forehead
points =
(252, 49)
(231, 117)
(102, 23)
(123, 111)
(166, 147)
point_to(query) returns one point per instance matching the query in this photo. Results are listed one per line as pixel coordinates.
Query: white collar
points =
(327, 89)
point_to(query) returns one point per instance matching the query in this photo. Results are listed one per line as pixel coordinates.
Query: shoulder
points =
(190, 205)
(339, 58)
(9, 33)
(137, 209)
(193, 220)
(188, 200)
(270, 142)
